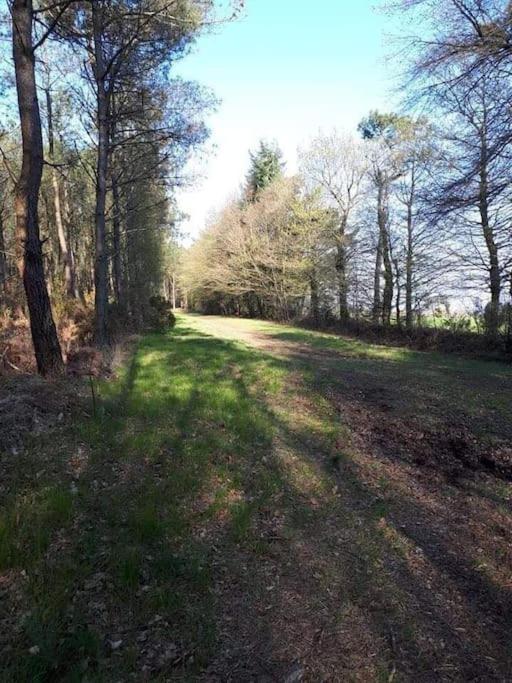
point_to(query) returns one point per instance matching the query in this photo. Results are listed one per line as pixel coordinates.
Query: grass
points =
(179, 423)
(423, 384)
(209, 471)
(27, 524)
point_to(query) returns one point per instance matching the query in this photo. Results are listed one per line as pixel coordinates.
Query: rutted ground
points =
(257, 502)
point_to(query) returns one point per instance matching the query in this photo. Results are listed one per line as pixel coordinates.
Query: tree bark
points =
(376, 308)
(117, 262)
(67, 257)
(315, 299)
(101, 256)
(409, 253)
(173, 291)
(382, 218)
(3, 256)
(341, 272)
(489, 237)
(30, 262)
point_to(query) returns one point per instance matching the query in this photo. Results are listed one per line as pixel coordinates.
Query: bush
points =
(456, 338)
(161, 317)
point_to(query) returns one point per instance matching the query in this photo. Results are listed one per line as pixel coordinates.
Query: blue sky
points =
(285, 70)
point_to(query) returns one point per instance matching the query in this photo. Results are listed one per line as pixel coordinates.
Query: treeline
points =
(88, 169)
(410, 214)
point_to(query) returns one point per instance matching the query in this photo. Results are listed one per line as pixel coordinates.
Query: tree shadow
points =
(274, 535)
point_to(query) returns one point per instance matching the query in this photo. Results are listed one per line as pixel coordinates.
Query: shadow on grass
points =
(209, 502)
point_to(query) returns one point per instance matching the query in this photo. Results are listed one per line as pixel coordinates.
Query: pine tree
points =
(266, 166)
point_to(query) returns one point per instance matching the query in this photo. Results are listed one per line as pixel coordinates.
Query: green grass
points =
(27, 523)
(182, 420)
(196, 441)
(428, 385)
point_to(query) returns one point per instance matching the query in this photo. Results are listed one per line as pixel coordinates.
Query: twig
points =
(7, 361)
(93, 396)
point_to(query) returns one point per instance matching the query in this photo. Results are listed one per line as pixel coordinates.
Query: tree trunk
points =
(408, 271)
(409, 255)
(341, 272)
(67, 257)
(376, 308)
(398, 299)
(315, 299)
(78, 291)
(382, 218)
(117, 256)
(101, 256)
(116, 243)
(3, 256)
(492, 320)
(44, 334)
(173, 292)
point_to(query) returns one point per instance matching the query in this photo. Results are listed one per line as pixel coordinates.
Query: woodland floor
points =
(255, 502)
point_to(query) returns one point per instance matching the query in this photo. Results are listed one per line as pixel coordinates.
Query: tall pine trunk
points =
(101, 255)
(67, 256)
(30, 263)
(117, 256)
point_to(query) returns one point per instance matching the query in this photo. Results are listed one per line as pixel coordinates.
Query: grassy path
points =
(255, 502)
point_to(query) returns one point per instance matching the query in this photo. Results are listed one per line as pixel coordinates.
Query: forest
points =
(88, 219)
(400, 223)
(277, 447)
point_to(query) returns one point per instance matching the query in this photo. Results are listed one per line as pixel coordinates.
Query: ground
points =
(255, 502)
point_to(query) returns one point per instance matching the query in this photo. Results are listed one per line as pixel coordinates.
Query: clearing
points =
(256, 502)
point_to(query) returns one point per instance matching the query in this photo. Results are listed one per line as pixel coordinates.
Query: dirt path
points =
(388, 553)
(254, 502)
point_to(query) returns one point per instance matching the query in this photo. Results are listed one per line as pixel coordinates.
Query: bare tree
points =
(475, 188)
(336, 164)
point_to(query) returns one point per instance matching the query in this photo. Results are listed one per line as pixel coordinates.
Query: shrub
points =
(161, 317)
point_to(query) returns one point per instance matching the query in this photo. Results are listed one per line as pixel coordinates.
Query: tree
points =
(315, 226)
(336, 165)
(474, 190)
(383, 131)
(266, 166)
(3, 245)
(61, 223)
(467, 35)
(261, 252)
(421, 261)
(123, 42)
(44, 334)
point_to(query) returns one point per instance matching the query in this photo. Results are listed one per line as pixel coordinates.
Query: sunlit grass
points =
(197, 440)
(182, 416)
(422, 384)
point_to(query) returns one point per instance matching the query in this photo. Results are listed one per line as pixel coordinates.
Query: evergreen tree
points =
(266, 166)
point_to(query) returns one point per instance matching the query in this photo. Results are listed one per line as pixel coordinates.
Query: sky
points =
(284, 71)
